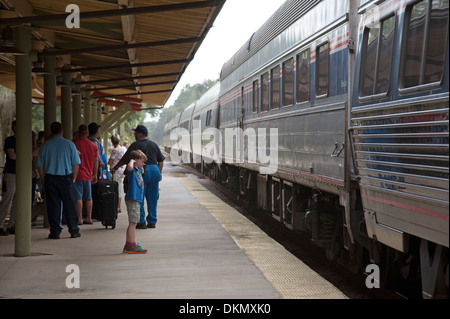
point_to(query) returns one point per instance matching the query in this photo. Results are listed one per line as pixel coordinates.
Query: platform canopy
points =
(122, 48)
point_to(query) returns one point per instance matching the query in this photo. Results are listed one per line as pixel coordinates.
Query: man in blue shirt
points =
(58, 163)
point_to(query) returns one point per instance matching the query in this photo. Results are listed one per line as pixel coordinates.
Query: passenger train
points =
(358, 91)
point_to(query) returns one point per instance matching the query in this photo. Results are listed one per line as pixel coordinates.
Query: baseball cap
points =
(83, 129)
(141, 129)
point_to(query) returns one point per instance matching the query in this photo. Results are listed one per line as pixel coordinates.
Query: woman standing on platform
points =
(116, 155)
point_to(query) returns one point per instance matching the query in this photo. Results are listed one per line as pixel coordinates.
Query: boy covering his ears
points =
(133, 199)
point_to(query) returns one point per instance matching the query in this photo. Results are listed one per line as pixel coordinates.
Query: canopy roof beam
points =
(114, 13)
(132, 65)
(128, 94)
(121, 46)
(130, 78)
(132, 85)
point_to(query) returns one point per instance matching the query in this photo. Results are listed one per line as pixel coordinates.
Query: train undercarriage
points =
(421, 272)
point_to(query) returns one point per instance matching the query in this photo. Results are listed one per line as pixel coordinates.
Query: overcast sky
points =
(235, 24)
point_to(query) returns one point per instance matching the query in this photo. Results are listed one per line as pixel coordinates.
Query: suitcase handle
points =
(105, 179)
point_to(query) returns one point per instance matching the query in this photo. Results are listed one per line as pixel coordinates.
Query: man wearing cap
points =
(152, 175)
(87, 175)
(58, 163)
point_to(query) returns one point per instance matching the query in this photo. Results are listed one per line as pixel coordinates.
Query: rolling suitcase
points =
(105, 197)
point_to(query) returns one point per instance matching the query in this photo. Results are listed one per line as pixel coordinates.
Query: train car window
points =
(425, 43)
(208, 118)
(213, 118)
(387, 39)
(275, 87)
(370, 57)
(255, 96)
(414, 44)
(322, 63)
(265, 92)
(288, 82)
(197, 118)
(303, 72)
(378, 47)
(222, 114)
(437, 41)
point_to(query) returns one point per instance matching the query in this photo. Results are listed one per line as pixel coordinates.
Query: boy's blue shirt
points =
(135, 185)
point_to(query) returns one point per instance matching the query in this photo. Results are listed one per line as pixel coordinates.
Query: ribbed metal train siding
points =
(402, 158)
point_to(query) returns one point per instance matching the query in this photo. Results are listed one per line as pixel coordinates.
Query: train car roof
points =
(174, 121)
(211, 96)
(187, 112)
(287, 14)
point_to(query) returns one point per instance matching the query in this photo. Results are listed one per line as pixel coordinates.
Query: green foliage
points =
(188, 95)
(125, 132)
(7, 115)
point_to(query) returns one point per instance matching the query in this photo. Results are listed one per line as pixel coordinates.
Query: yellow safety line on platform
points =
(290, 276)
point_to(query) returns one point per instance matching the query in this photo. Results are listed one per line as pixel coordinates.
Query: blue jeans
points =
(152, 177)
(82, 190)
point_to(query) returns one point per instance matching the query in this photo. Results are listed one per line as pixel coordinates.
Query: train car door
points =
(241, 114)
(240, 126)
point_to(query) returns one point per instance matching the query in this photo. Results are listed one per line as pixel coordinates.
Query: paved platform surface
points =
(201, 248)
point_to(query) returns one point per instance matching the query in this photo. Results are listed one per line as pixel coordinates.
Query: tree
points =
(188, 95)
(134, 120)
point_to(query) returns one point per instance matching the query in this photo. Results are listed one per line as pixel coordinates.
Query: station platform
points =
(201, 248)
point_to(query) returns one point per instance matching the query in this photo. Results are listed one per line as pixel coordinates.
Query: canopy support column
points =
(23, 143)
(122, 119)
(87, 107)
(93, 104)
(76, 107)
(112, 118)
(99, 112)
(49, 106)
(49, 94)
(66, 106)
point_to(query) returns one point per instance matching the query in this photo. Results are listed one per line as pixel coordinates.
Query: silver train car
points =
(399, 130)
(356, 93)
(168, 128)
(183, 129)
(204, 119)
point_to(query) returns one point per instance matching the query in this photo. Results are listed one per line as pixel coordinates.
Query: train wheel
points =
(335, 249)
(336, 245)
(434, 270)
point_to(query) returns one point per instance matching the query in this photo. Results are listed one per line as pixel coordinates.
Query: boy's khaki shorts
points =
(134, 211)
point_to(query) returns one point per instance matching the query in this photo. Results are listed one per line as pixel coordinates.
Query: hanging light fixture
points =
(38, 67)
(60, 81)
